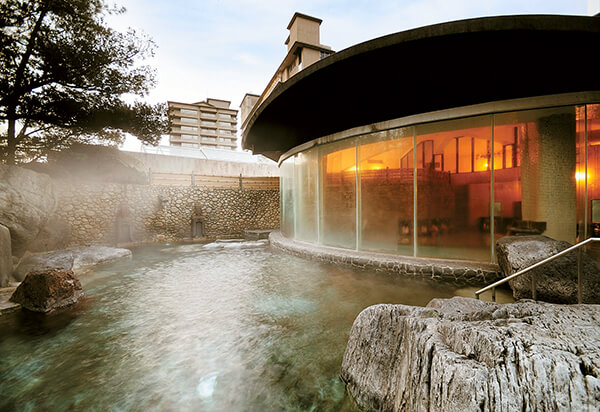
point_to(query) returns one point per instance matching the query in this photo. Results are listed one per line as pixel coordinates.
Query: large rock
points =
(54, 234)
(462, 354)
(47, 290)
(77, 259)
(6, 264)
(27, 200)
(556, 281)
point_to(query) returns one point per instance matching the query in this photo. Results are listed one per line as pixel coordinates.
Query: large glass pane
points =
(453, 201)
(305, 182)
(538, 193)
(338, 183)
(593, 170)
(286, 185)
(580, 173)
(386, 184)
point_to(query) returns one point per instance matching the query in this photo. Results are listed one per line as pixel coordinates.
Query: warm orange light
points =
(580, 176)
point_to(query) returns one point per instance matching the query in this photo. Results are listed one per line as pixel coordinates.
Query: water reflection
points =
(186, 327)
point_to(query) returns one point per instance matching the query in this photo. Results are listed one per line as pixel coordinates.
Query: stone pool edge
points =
(457, 271)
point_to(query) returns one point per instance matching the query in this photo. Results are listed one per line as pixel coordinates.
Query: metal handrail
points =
(540, 263)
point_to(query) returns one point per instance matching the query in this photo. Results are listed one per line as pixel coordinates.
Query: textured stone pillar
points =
(548, 175)
(6, 265)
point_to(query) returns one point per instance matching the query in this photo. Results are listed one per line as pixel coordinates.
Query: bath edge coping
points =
(457, 271)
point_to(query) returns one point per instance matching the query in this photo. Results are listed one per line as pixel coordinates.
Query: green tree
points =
(66, 76)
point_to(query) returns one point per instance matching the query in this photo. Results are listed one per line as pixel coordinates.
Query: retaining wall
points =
(119, 213)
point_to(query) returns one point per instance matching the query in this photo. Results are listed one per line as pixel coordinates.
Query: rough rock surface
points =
(76, 259)
(86, 256)
(556, 281)
(27, 199)
(55, 234)
(6, 263)
(462, 354)
(47, 290)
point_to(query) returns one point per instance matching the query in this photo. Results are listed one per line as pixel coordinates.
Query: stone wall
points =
(119, 213)
(44, 213)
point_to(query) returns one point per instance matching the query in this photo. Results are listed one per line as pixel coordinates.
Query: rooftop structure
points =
(248, 103)
(209, 123)
(304, 49)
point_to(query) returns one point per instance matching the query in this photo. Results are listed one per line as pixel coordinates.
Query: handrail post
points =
(579, 290)
(533, 291)
(493, 294)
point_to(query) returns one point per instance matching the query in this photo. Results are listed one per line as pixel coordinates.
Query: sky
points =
(225, 49)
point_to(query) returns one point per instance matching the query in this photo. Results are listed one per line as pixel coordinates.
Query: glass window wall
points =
(305, 183)
(453, 202)
(386, 188)
(286, 185)
(337, 166)
(539, 193)
(512, 173)
(591, 178)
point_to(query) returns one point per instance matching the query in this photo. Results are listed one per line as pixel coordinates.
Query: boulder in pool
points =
(556, 281)
(48, 290)
(463, 354)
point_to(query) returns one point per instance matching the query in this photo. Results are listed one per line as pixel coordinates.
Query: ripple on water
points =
(281, 306)
(224, 326)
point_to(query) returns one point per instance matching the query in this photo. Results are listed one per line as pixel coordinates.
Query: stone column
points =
(6, 265)
(548, 175)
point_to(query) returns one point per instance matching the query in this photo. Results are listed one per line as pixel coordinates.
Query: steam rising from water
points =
(225, 326)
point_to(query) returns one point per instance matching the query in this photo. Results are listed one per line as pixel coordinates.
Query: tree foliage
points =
(65, 76)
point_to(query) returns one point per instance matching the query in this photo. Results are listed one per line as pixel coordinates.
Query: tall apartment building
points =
(209, 123)
(304, 49)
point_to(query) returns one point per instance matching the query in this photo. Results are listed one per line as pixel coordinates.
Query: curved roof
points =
(431, 68)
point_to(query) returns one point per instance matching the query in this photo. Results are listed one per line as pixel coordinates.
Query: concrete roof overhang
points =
(427, 69)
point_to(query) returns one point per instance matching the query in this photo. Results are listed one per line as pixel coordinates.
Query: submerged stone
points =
(47, 290)
(465, 354)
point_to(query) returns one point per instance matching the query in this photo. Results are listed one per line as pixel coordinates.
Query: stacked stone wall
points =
(119, 213)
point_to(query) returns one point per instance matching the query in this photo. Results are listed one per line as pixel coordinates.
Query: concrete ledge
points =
(456, 271)
(257, 234)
